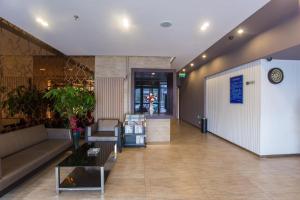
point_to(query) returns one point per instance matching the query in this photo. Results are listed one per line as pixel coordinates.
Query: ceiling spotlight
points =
(183, 70)
(240, 31)
(42, 22)
(204, 56)
(192, 64)
(125, 23)
(166, 24)
(42, 69)
(76, 17)
(231, 37)
(204, 26)
(152, 73)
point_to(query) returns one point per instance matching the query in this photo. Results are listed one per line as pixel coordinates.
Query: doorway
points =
(155, 83)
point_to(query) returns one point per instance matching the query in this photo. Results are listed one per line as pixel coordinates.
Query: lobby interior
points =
(196, 100)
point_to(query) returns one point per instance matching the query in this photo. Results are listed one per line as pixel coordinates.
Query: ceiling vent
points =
(165, 24)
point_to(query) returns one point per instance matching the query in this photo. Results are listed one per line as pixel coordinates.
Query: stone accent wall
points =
(158, 130)
(11, 44)
(114, 69)
(120, 66)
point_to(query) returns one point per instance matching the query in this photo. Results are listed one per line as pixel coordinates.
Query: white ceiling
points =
(98, 31)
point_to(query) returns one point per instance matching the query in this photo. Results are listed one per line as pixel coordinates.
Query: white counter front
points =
(158, 130)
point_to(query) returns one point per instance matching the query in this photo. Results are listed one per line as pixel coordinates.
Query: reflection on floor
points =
(193, 166)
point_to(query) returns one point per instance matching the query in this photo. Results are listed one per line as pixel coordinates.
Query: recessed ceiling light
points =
(126, 23)
(152, 73)
(42, 69)
(192, 64)
(166, 24)
(204, 56)
(240, 31)
(42, 22)
(205, 26)
(183, 70)
(76, 17)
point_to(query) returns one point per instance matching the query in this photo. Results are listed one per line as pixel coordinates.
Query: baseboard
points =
(253, 153)
(257, 155)
(189, 123)
(280, 155)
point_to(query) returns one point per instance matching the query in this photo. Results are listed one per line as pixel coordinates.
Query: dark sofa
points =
(23, 151)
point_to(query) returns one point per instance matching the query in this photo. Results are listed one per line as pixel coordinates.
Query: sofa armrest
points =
(0, 169)
(117, 129)
(59, 133)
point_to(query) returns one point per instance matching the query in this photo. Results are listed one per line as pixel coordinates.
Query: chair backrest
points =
(89, 130)
(15, 141)
(107, 124)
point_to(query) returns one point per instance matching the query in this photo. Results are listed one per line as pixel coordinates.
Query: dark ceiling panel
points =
(272, 14)
(288, 54)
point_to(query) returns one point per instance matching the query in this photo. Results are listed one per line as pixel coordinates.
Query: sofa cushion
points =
(107, 124)
(15, 141)
(0, 169)
(10, 143)
(18, 165)
(34, 135)
(52, 146)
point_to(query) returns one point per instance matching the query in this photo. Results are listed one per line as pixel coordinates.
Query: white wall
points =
(268, 122)
(238, 123)
(280, 109)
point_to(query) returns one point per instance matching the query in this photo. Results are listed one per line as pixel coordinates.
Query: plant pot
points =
(76, 138)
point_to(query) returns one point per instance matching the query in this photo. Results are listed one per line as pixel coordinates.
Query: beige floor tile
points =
(193, 166)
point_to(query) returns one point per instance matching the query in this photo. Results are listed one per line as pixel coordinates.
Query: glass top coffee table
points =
(86, 172)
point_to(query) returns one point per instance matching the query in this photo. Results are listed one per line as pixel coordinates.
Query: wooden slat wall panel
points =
(11, 83)
(110, 97)
(238, 123)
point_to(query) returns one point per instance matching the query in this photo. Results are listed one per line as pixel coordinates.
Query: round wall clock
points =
(275, 75)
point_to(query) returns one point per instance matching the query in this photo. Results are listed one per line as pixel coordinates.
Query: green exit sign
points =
(182, 75)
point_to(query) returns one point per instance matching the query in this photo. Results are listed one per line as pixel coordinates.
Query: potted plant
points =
(27, 102)
(72, 103)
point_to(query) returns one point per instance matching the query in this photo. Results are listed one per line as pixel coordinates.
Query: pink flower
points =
(151, 98)
(79, 129)
(73, 123)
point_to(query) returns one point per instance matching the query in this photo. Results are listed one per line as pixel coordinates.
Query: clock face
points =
(275, 75)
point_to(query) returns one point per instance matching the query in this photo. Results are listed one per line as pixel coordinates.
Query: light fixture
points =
(76, 17)
(183, 70)
(204, 56)
(192, 64)
(204, 26)
(240, 31)
(42, 22)
(42, 69)
(153, 73)
(125, 23)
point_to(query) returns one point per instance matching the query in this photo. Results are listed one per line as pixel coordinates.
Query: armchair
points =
(105, 130)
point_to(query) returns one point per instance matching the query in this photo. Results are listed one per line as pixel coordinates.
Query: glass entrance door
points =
(142, 103)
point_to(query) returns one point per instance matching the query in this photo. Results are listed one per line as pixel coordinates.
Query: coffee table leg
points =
(57, 179)
(102, 179)
(115, 149)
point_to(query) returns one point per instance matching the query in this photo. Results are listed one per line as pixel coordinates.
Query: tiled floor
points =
(193, 166)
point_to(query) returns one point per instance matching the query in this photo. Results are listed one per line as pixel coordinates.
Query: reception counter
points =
(158, 130)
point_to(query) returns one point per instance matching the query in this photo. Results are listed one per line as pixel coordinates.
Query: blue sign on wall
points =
(236, 89)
